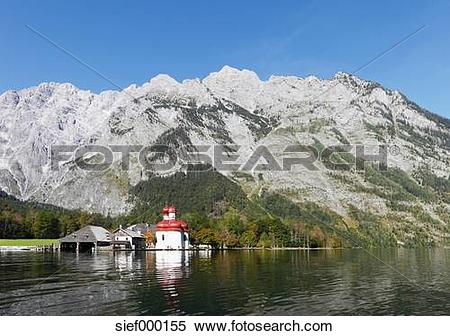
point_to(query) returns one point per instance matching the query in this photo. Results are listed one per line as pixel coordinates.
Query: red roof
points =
(172, 225)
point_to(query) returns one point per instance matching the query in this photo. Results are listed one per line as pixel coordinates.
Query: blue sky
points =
(131, 41)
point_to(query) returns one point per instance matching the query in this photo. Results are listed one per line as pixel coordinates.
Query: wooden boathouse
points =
(86, 239)
(128, 239)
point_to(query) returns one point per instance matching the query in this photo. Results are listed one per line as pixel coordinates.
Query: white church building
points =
(171, 233)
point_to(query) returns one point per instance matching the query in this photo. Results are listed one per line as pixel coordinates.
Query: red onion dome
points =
(172, 208)
(165, 210)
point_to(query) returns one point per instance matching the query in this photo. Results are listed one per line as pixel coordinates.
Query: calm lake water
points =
(321, 282)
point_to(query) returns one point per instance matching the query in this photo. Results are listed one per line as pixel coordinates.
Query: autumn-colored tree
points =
(149, 238)
(317, 237)
(207, 236)
(232, 240)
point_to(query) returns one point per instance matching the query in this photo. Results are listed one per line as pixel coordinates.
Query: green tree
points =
(69, 223)
(206, 236)
(195, 220)
(233, 222)
(46, 225)
(264, 240)
(249, 239)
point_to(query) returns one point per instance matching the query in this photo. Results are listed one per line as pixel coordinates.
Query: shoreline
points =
(41, 248)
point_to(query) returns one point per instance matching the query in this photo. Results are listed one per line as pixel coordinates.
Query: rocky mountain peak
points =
(232, 107)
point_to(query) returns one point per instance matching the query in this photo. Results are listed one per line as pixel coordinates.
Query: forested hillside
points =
(19, 219)
(219, 213)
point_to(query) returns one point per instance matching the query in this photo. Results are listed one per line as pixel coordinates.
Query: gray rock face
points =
(231, 107)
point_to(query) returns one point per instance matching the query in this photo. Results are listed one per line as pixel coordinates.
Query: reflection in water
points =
(171, 269)
(334, 282)
(123, 261)
(57, 284)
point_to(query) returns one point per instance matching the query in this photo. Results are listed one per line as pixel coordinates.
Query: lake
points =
(262, 282)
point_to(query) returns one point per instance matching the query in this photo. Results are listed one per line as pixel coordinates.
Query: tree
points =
(232, 222)
(195, 220)
(46, 225)
(150, 238)
(264, 240)
(221, 233)
(249, 239)
(318, 237)
(251, 236)
(86, 219)
(13, 226)
(279, 232)
(206, 236)
(69, 223)
(231, 240)
(298, 232)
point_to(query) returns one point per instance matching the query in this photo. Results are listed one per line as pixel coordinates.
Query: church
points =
(171, 233)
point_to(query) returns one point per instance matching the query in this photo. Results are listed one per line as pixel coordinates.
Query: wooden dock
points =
(46, 248)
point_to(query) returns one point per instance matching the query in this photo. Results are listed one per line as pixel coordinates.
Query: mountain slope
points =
(235, 108)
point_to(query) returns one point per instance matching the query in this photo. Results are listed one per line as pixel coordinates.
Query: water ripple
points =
(340, 282)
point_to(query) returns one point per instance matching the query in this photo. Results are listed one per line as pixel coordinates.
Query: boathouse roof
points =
(88, 234)
(142, 227)
(128, 232)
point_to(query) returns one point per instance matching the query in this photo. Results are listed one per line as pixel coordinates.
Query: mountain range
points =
(239, 111)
